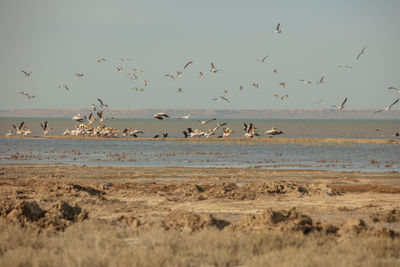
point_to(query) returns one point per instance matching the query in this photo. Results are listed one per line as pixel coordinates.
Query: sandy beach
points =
(197, 216)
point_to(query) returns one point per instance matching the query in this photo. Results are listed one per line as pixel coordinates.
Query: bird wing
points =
(394, 103)
(187, 64)
(277, 26)
(101, 102)
(393, 88)
(212, 66)
(21, 126)
(345, 100)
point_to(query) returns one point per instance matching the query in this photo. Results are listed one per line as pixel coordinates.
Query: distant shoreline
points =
(208, 113)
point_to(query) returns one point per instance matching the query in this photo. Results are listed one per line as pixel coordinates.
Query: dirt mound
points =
(284, 220)
(353, 225)
(392, 216)
(189, 221)
(57, 218)
(25, 212)
(90, 190)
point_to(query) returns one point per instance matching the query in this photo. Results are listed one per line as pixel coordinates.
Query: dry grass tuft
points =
(95, 243)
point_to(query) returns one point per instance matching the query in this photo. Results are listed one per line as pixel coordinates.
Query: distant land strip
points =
(210, 113)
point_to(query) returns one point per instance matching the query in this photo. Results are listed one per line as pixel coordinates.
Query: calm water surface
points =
(322, 156)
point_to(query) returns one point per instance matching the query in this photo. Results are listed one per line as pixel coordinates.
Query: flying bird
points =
(321, 81)
(119, 69)
(283, 84)
(179, 74)
(101, 103)
(263, 59)
(207, 121)
(160, 115)
(78, 118)
(213, 68)
(361, 52)
(275, 71)
(100, 114)
(345, 66)
(305, 82)
(101, 59)
(19, 130)
(241, 88)
(278, 28)
(170, 76)
(125, 59)
(341, 106)
(179, 90)
(389, 107)
(78, 74)
(225, 99)
(27, 74)
(201, 75)
(27, 95)
(145, 82)
(255, 85)
(63, 86)
(187, 64)
(45, 127)
(185, 117)
(137, 70)
(394, 88)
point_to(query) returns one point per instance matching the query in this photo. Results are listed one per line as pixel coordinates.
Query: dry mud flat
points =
(79, 215)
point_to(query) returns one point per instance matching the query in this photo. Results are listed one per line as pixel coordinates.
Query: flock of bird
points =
(101, 130)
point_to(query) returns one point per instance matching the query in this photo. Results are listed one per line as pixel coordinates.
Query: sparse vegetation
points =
(95, 243)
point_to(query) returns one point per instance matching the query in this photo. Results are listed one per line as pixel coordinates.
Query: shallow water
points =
(370, 129)
(119, 152)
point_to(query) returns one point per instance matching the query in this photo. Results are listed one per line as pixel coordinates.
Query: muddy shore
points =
(52, 199)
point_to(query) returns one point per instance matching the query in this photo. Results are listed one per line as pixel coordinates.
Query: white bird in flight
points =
(186, 117)
(213, 68)
(263, 59)
(341, 106)
(389, 107)
(207, 121)
(394, 88)
(170, 76)
(160, 115)
(225, 99)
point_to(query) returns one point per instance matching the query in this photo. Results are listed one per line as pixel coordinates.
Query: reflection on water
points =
(351, 156)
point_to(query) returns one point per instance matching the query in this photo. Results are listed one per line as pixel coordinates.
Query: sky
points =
(56, 39)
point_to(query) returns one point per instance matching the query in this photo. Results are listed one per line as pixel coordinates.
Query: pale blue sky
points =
(55, 39)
